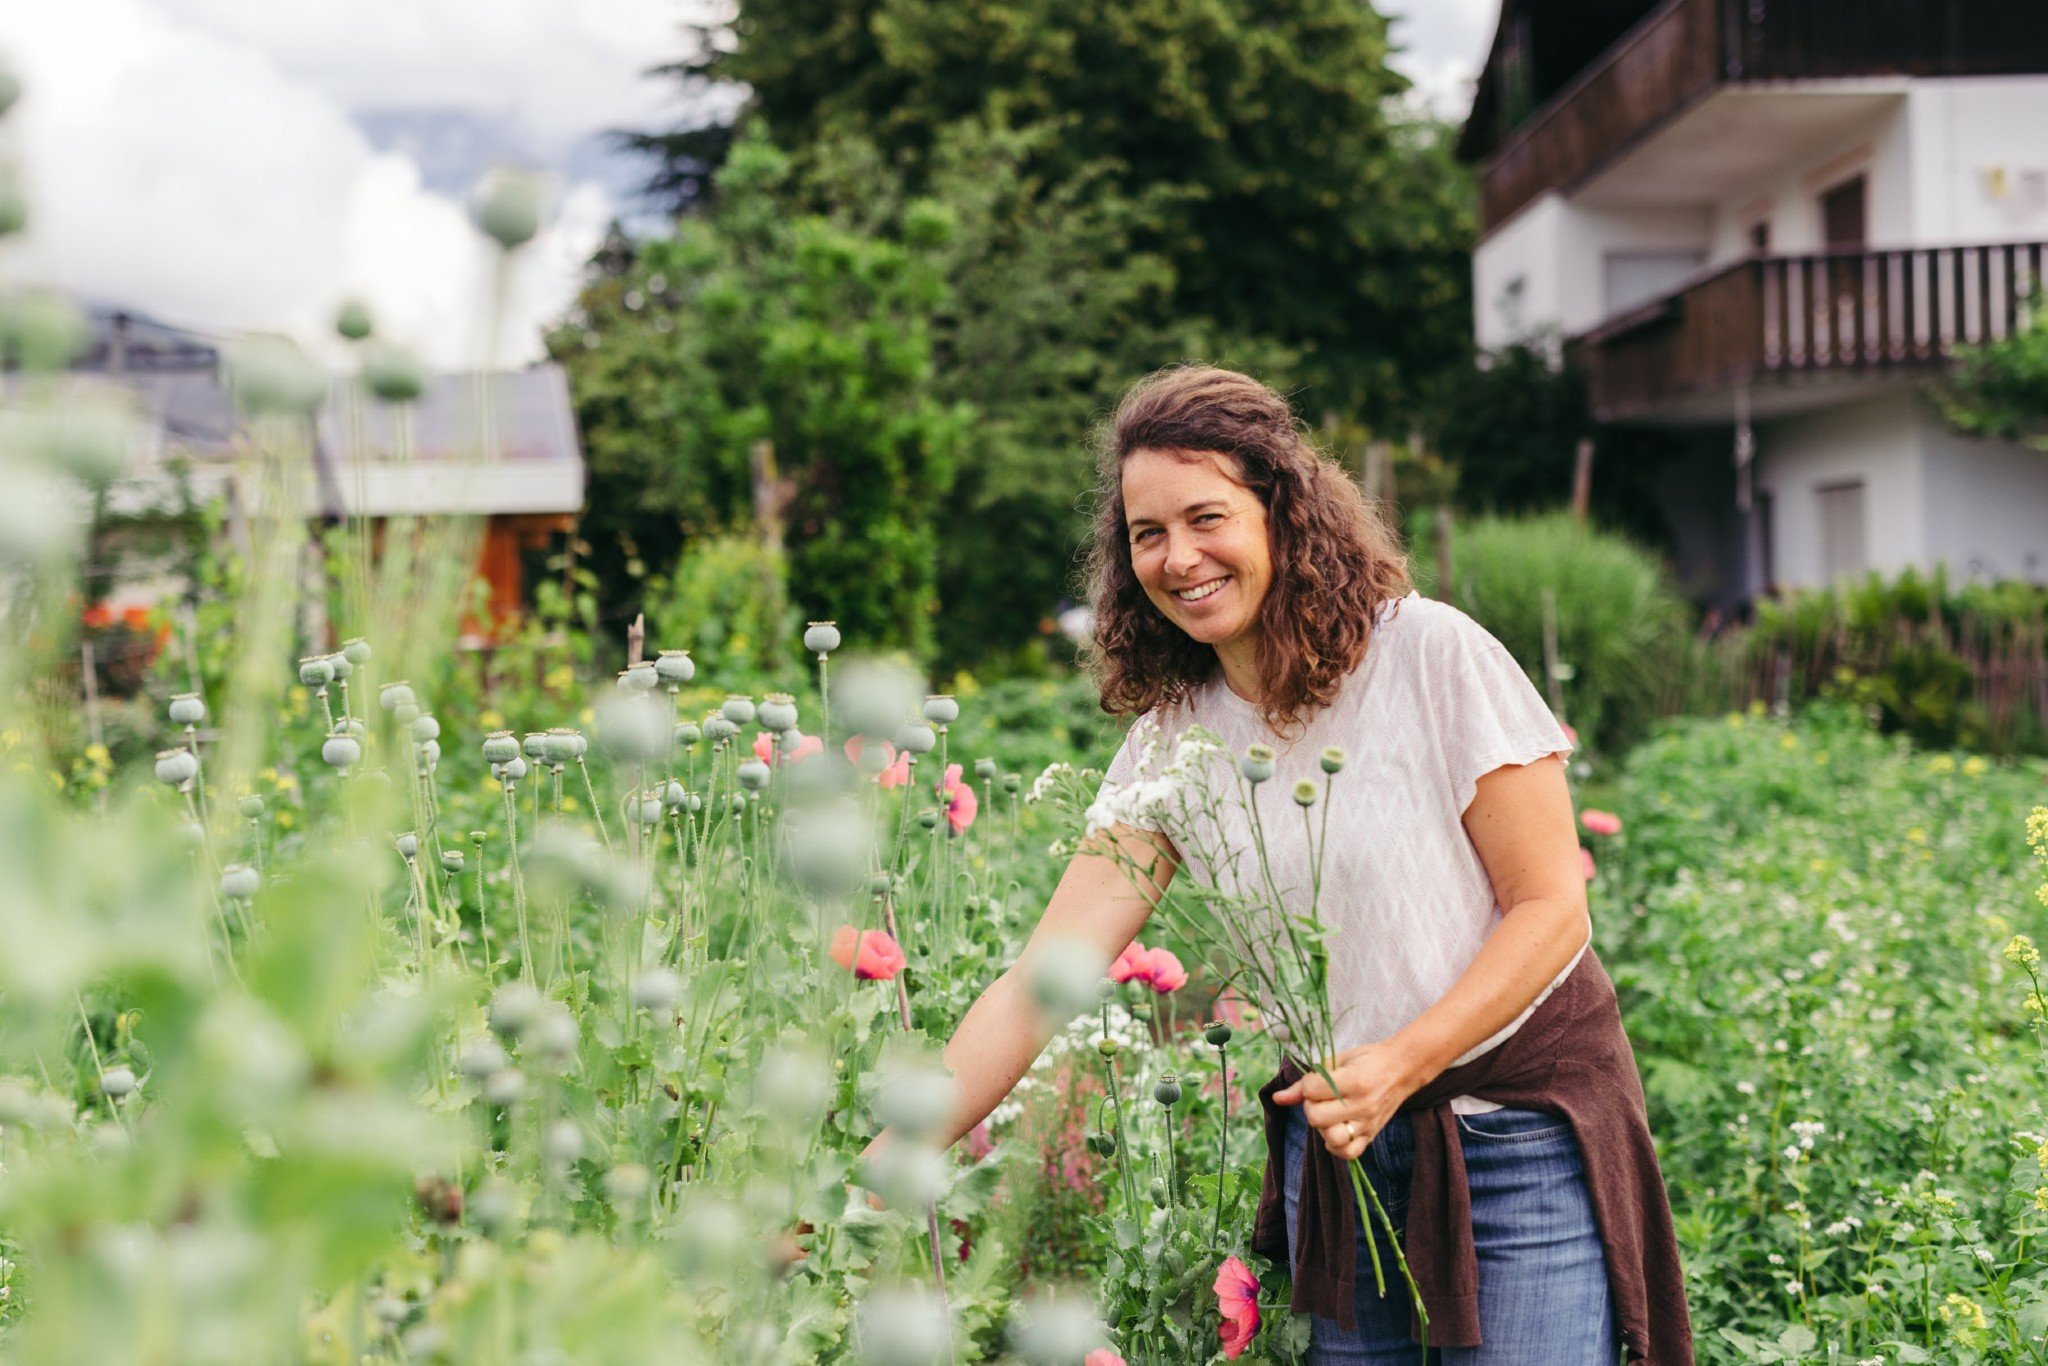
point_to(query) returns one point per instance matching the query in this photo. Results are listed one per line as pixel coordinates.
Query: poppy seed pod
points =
(941, 710)
(647, 810)
(508, 206)
(512, 1008)
(638, 677)
(512, 770)
(1333, 759)
(1012, 783)
(316, 672)
(633, 727)
(187, 709)
(482, 1058)
(535, 745)
(394, 695)
(451, 860)
(342, 666)
(718, 730)
(118, 1081)
(192, 833)
(352, 320)
(673, 795)
(501, 746)
(272, 375)
(356, 650)
(674, 667)
(353, 727)
(985, 769)
(916, 736)
(1257, 763)
(1106, 1046)
(425, 728)
(408, 846)
(342, 750)
(1304, 793)
(1217, 1033)
(778, 711)
(738, 709)
(563, 745)
(1167, 1090)
(739, 805)
(176, 766)
(753, 775)
(821, 637)
(928, 820)
(656, 989)
(239, 882)
(251, 808)
(430, 756)
(394, 374)
(405, 713)
(687, 734)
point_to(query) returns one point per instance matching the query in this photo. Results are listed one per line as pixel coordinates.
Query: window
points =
(1636, 277)
(1760, 237)
(1844, 549)
(1510, 305)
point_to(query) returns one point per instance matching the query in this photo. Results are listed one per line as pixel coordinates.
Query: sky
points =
(246, 165)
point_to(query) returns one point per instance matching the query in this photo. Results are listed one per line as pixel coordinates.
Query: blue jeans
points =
(1543, 1298)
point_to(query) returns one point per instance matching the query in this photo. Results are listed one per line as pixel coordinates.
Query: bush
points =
(1620, 622)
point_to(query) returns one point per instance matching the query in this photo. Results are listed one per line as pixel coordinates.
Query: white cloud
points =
(189, 175)
(1443, 44)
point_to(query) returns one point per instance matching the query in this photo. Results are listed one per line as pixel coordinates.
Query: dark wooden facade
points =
(1778, 320)
(1681, 51)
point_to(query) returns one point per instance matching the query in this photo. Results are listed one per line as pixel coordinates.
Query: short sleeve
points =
(1487, 711)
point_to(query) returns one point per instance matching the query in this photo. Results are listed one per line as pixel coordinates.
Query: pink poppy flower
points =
(1237, 1298)
(979, 1144)
(1586, 863)
(804, 748)
(896, 774)
(1569, 733)
(1166, 972)
(1102, 1356)
(961, 806)
(1158, 969)
(874, 957)
(1600, 822)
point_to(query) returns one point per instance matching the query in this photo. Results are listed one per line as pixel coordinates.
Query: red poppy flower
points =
(1237, 1298)
(874, 957)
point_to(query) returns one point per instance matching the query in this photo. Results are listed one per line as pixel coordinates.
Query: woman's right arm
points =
(1103, 899)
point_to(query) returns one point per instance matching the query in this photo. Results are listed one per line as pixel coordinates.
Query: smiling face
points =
(1199, 546)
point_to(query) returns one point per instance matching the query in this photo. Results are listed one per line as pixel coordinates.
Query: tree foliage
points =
(2001, 388)
(752, 325)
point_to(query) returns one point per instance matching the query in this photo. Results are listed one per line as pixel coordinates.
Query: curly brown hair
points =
(1337, 564)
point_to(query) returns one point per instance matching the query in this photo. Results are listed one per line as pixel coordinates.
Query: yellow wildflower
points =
(491, 720)
(1756, 707)
(2021, 953)
(2041, 1199)
(1788, 741)
(2035, 1005)
(1735, 719)
(1942, 763)
(2037, 830)
(1974, 765)
(98, 757)
(1916, 835)
(1821, 757)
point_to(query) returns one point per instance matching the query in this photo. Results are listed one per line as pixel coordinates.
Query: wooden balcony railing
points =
(1777, 318)
(1684, 49)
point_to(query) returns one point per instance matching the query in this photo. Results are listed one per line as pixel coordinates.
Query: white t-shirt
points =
(1436, 704)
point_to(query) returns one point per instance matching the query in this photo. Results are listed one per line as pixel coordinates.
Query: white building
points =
(1772, 221)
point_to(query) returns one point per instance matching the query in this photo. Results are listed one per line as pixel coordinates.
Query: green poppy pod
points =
(316, 672)
(941, 710)
(187, 709)
(674, 667)
(501, 746)
(1257, 763)
(821, 637)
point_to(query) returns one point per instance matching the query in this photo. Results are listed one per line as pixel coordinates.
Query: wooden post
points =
(636, 639)
(1375, 470)
(1582, 481)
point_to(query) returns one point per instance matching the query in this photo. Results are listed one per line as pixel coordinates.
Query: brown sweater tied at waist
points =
(1570, 1057)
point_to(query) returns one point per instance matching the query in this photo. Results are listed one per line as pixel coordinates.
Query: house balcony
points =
(1707, 76)
(1792, 333)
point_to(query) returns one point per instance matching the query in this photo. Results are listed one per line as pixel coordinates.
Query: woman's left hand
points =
(1372, 1081)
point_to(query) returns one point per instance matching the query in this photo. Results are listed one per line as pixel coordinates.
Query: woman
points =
(1240, 582)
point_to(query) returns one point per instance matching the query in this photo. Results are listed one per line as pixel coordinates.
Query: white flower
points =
(1793, 1152)
(1747, 1088)
(1043, 784)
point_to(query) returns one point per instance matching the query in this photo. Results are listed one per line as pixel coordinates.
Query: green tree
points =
(2001, 388)
(751, 325)
(1252, 138)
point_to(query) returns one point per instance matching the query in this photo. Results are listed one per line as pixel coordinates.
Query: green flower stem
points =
(518, 883)
(1222, 1141)
(598, 811)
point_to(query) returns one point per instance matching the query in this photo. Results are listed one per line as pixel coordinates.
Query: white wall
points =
(1987, 504)
(1789, 198)
(1968, 136)
(1559, 251)
(1877, 441)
